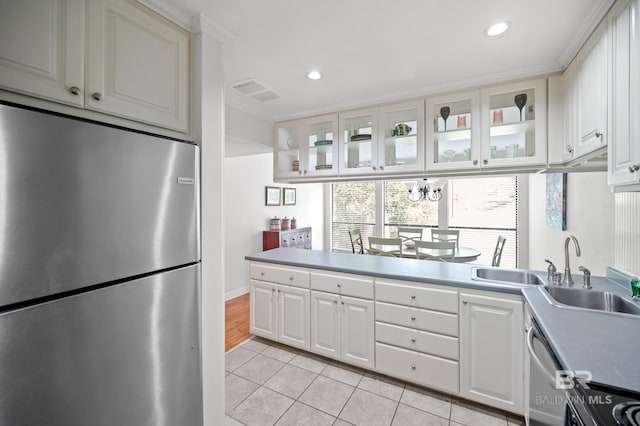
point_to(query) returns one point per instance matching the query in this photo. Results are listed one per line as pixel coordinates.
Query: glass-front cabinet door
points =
(514, 124)
(306, 148)
(401, 135)
(358, 136)
(453, 135)
(321, 138)
(290, 143)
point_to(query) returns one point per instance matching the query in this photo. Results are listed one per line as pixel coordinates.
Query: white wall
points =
(590, 217)
(627, 232)
(246, 216)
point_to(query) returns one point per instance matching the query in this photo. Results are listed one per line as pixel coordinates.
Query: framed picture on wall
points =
(271, 196)
(289, 197)
(556, 202)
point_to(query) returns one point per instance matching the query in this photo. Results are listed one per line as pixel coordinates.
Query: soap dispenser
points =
(551, 269)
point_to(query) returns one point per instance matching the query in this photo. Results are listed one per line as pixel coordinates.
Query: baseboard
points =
(235, 293)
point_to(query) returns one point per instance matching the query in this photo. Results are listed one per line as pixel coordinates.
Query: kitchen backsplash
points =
(627, 231)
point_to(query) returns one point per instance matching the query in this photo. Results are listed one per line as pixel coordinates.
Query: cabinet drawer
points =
(421, 341)
(295, 277)
(419, 368)
(344, 284)
(421, 319)
(418, 297)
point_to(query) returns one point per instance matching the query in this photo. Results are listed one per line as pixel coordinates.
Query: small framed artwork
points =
(271, 196)
(556, 202)
(289, 197)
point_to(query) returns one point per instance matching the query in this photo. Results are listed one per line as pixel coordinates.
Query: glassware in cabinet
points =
(515, 118)
(452, 134)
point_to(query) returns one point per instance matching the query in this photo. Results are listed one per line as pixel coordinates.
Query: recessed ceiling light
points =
(314, 75)
(497, 29)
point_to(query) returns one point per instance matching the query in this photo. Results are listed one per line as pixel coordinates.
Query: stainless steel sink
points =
(593, 299)
(511, 276)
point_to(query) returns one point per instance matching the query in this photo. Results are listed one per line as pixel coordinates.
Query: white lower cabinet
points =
(492, 350)
(458, 341)
(279, 304)
(342, 328)
(280, 313)
(417, 334)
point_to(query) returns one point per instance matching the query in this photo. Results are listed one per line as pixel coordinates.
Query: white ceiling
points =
(374, 51)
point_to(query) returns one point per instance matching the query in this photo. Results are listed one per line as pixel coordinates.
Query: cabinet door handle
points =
(381, 167)
(475, 162)
(335, 301)
(342, 303)
(97, 96)
(74, 90)
(601, 136)
(485, 161)
(274, 290)
(374, 167)
(570, 149)
(634, 168)
(464, 302)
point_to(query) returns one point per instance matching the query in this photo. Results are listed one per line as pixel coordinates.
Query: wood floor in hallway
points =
(236, 323)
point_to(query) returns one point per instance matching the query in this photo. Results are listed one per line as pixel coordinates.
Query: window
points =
(481, 207)
(484, 208)
(400, 211)
(353, 205)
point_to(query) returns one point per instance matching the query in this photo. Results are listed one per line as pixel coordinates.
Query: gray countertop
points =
(603, 343)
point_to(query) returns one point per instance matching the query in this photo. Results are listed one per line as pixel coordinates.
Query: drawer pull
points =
(413, 366)
(413, 297)
(290, 278)
(464, 302)
(335, 301)
(278, 290)
(74, 90)
(273, 289)
(413, 340)
(413, 317)
(342, 303)
(262, 274)
(339, 285)
(97, 96)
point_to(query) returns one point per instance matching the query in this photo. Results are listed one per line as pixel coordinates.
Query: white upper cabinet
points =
(592, 93)
(111, 56)
(358, 142)
(453, 131)
(138, 65)
(382, 141)
(514, 126)
(45, 55)
(306, 148)
(624, 107)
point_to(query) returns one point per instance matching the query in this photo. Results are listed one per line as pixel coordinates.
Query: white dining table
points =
(460, 255)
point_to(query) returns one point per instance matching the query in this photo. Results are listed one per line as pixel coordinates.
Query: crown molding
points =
(203, 24)
(169, 11)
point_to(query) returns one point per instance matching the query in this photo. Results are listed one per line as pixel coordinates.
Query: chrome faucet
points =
(568, 281)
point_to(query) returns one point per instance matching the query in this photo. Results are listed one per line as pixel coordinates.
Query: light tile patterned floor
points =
(272, 384)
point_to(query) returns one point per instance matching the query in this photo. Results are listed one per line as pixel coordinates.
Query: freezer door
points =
(127, 354)
(83, 204)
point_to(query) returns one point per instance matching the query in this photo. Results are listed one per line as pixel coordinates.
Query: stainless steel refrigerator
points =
(99, 274)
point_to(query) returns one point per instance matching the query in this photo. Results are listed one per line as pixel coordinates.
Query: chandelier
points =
(427, 189)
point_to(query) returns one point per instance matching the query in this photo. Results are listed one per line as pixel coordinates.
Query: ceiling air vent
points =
(256, 90)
